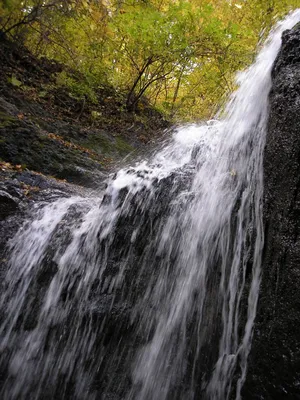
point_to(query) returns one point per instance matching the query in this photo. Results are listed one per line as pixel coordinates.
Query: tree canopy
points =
(180, 54)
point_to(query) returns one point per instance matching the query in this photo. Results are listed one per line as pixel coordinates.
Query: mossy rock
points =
(99, 143)
(122, 146)
(7, 120)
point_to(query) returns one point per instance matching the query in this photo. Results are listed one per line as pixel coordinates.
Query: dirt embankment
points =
(46, 129)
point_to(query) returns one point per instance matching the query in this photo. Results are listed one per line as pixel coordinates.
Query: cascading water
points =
(152, 294)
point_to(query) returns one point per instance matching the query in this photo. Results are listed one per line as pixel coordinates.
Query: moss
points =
(112, 148)
(99, 144)
(7, 120)
(122, 146)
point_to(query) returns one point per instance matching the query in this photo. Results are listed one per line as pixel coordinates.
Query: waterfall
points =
(149, 290)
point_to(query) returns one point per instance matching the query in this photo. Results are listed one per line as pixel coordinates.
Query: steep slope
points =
(52, 127)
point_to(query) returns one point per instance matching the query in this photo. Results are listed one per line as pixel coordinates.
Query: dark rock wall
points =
(274, 365)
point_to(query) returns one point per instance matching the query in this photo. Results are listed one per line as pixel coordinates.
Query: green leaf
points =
(43, 94)
(14, 81)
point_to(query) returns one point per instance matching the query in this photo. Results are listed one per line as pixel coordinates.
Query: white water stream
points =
(150, 291)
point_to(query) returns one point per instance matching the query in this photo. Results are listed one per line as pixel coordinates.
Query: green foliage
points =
(182, 55)
(14, 81)
(79, 89)
(95, 114)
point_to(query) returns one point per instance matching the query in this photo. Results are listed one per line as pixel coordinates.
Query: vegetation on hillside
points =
(180, 54)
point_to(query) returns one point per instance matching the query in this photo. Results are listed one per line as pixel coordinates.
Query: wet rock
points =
(35, 180)
(46, 272)
(274, 365)
(8, 204)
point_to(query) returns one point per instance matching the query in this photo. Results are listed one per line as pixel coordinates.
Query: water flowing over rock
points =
(148, 291)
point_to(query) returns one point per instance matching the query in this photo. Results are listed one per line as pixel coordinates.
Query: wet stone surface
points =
(274, 365)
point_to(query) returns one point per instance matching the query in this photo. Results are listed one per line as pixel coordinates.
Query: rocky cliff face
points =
(274, 368)
(274, 362)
